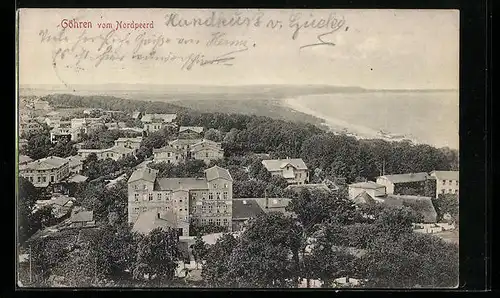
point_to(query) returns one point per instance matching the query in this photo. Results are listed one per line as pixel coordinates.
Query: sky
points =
(377, 49)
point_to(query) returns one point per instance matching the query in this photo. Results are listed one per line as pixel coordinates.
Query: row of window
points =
(450, 182)
(166, 208)
(158, 197)
(455, 191)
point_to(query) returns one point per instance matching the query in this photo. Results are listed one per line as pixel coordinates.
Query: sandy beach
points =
(337, 125)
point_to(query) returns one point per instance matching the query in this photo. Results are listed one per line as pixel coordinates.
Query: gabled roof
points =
(364, 198)
(136, 114)
(445, 175)
(278, 164)
(51, 162)
(421, 205)
(181, 183)
(145, 173)
(217, 172)
(197, 129)
(246, 208)
(406, 178)
(150, 220)
(366, 185)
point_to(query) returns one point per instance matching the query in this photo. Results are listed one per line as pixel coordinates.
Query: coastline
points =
(338, 126)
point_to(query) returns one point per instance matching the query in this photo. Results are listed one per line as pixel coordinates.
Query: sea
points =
(428, 117)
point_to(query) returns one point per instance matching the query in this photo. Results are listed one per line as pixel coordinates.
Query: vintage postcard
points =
(249, 148)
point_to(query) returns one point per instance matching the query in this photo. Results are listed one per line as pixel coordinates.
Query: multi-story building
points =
(394, 184)
(133, 143)
(168, 154)
(45, 171)
(156, 122)
(293, 170)
(204, 200)
(190, 132)
(446, 182)
(24, 159)
(184, 145)
(115, 152)
(65, 134)
(207, 151)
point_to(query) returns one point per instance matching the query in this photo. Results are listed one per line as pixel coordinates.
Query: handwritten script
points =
(79, 46)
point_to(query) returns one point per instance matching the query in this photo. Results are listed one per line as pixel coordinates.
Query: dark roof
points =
(364, 198)
(217, 172)
(406, 178)
(246, 208)
(421, 205)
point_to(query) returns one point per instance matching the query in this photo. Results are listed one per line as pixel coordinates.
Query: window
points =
(150, 196)
(136, 197)
(225, 195)
(456, 183)
(218, 196)
(180, 201)
(144, 186)
(450, 182)
(218, 221)
(136, 209)
(206, 154)
(225, 185)
(225, 221)
(449, 190)
(168, 154)
(158, 196)
(215, 185)
(135, 187)
(210, 221)
(51, 178)
(442, 191)
(203, 221)
(185, 209)
(144, 209)
(44, 179)
(210, 196)
(168, 160)
(39, 179)
(456, 190)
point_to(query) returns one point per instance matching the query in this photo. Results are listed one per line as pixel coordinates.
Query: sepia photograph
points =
(237, 148)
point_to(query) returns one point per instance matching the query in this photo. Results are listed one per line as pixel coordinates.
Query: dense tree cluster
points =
(377, 247)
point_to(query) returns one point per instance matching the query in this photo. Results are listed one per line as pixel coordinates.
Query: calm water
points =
(427, 117)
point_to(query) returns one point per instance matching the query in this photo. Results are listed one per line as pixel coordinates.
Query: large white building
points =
(207, 151)
(45, 171)
(156, 122)
(115, 152)
(205, 200)
(446, 182)
(374, 190)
